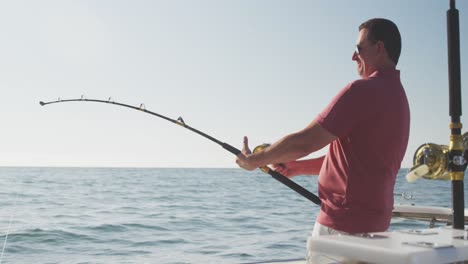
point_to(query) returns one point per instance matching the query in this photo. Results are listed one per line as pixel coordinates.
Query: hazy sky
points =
(229, 68)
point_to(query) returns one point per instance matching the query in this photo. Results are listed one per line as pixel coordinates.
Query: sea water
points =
(140, 215)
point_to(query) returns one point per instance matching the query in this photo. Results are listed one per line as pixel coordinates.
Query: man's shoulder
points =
(359, 85)
(373, 82)
(364, 82)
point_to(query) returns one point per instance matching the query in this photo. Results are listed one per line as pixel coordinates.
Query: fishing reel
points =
(258, 149)
(431, 161)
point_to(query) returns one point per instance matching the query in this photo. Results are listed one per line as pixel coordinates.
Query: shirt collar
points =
(385, 72)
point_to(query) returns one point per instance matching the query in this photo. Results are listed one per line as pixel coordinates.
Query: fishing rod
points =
(180, 121)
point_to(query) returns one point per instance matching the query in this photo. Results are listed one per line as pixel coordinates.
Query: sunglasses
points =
(358, 50)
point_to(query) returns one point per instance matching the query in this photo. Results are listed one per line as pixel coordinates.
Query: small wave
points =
(145, 244)
(108, 228)
(237, 255)
(172, 241)
(143, 226)
(121, 252)
(41, 236)
(282, 246)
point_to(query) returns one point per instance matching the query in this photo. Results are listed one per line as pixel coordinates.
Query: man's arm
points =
(289, 148)
(300, 167)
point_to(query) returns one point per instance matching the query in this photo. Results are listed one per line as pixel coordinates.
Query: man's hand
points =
(286, 169)
(243, 159)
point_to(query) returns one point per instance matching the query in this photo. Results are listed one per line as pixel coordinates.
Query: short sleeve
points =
(353, 104)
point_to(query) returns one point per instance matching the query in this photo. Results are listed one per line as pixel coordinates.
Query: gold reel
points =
(436, 158)
(465, 140)
(431, 161)
(259, 148)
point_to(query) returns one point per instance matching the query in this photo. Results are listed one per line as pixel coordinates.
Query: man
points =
(367, 127)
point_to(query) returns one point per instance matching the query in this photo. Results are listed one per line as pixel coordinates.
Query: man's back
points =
(370, 117)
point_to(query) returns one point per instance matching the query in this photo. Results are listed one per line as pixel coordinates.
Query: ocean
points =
(143, 215)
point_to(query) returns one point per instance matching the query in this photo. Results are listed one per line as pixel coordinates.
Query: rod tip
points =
(41, 103)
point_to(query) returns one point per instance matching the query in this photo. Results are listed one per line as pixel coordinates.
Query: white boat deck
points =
(428, 246)
(433, 242)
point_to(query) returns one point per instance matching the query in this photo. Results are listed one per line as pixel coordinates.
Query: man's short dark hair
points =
(380, 29)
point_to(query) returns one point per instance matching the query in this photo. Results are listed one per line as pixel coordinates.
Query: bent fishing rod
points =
(278, 176)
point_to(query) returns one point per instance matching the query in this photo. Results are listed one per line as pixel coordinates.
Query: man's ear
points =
(381, 47)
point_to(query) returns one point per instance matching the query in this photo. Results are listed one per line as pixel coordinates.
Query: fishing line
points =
(9, 227)
(180, 121)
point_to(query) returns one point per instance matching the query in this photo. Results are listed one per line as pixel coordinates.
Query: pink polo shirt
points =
(371, 119)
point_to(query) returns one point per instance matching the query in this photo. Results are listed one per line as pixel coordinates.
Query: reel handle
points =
(417, 172)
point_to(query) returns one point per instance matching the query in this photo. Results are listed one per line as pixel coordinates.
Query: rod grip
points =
(296, 187)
